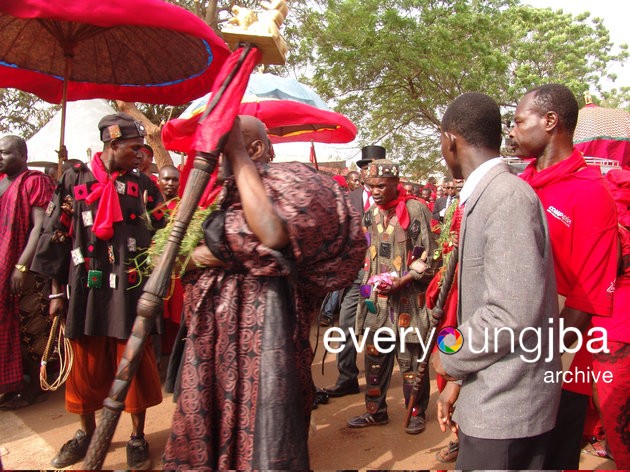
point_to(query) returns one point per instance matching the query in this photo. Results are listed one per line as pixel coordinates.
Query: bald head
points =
(255, 138)
(13, 155)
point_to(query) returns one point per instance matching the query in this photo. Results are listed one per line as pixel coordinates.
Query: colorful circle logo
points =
(450, 340)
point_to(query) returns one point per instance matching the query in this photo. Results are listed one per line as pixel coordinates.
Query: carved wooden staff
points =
(436, 317)
(151, 302)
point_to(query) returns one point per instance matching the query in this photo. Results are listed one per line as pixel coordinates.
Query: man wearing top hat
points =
(96, 225)
(397, 271)
(348, 379)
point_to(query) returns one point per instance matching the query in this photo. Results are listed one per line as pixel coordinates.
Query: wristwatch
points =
(21, 267)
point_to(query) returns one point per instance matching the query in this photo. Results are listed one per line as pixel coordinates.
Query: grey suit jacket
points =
(356, 199)
(506, 280)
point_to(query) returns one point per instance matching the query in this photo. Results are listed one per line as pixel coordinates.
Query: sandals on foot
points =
(597, 447)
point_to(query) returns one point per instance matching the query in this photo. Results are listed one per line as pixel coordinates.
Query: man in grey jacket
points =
(508, 310)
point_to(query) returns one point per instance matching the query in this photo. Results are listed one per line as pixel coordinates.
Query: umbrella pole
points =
(151, 302)
(63, 152)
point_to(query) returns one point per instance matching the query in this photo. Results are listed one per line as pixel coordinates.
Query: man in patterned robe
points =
(283, 236)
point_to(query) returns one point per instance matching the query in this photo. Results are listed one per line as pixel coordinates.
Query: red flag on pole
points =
(313, 156)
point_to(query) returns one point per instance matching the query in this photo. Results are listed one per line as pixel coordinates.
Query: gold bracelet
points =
(21, 267)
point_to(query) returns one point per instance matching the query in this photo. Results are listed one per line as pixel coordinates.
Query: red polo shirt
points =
(583, 230)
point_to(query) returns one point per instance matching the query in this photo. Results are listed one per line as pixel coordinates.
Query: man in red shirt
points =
(582, 226)
(614, 393)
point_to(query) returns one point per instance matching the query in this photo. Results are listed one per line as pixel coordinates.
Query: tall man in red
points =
(582, 227)
(24, 195)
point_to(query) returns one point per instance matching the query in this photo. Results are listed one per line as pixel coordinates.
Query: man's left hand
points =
(446, 406)
(393, 288)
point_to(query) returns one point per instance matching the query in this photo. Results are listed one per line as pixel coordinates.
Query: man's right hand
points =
(234, 146)
(446, 406)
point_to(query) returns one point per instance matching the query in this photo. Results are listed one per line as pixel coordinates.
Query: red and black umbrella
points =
(142, 50)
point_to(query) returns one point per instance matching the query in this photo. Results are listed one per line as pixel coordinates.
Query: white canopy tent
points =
(82, 136)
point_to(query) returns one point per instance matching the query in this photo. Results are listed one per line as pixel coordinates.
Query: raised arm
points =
(258, 208)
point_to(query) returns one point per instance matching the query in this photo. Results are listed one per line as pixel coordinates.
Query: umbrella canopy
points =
(263, 87)
(291, 111)
(291, 122)
(142, 50)
(604, 133)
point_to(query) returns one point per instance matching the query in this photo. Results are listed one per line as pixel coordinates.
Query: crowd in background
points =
(281, 237)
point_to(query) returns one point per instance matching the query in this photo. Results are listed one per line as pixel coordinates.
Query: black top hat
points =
(369, 154)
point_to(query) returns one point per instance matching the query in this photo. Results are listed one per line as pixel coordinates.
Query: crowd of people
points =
(541, 286)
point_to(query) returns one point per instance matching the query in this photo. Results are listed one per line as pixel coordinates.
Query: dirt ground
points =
(29, 438)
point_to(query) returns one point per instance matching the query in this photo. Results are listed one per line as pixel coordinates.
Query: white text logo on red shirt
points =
(560, 216)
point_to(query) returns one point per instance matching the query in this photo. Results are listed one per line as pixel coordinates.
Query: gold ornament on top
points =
(261, 28)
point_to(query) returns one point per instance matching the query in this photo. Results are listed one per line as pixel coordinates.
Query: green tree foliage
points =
(393, 65)
(22, 113)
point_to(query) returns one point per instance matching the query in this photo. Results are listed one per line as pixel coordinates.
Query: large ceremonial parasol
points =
(292, 112)
(603, 133)
(142, 50)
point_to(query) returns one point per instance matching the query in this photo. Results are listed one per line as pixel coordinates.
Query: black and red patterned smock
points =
(68, 250)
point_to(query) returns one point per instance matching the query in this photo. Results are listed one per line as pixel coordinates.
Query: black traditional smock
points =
(68, 250)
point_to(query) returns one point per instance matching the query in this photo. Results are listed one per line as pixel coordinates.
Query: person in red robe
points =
(614, 393)
(168, 182)
(24, 194)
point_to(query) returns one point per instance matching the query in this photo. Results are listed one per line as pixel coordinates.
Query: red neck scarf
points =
(401, 207)
(108, 211)
(538, 179)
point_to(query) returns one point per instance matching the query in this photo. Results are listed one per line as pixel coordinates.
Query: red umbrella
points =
(288, 112)
(293, 122)
(604, 133)
(287, 121)
(141, 50)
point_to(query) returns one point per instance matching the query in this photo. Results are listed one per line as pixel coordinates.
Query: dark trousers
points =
(501, 454)
(347, 358)
(565, 441)
(378, 372)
